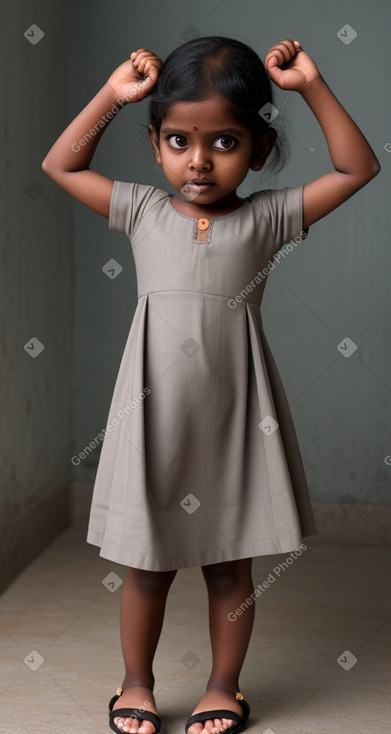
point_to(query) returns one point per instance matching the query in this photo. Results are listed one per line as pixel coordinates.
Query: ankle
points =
(223, 685)
(131, 681)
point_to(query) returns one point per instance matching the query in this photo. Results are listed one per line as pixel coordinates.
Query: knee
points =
(224, 578)
(151, 583)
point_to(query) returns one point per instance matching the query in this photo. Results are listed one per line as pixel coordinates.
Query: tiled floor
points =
(61, 658)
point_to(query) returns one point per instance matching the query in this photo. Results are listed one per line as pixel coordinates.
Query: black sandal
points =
(202, 716)
(135, 713)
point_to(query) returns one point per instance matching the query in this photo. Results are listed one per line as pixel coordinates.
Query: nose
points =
(199, 158)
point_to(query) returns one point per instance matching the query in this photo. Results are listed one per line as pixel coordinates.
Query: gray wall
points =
(336, 284)
(36, 289)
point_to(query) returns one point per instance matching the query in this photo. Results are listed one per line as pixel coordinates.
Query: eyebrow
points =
(226, 131)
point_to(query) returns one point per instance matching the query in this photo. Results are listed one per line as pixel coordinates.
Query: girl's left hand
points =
(290, 67)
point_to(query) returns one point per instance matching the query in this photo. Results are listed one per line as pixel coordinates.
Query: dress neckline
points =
(211, 219)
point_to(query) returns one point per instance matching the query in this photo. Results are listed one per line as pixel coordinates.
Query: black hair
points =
(210, 64)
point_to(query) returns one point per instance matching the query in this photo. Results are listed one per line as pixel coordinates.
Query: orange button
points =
(203, 223)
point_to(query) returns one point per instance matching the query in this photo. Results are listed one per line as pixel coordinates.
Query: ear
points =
(153, 136)
(262, 148)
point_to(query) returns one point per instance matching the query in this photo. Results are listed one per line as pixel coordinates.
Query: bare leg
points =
(143, 603)
(229, 585)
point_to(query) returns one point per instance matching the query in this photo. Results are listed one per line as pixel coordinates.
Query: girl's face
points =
(205, 141)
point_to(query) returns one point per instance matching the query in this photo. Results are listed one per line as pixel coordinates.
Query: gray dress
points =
(200, 461)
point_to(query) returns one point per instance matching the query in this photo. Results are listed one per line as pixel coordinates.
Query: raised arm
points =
(353, 158)
(67, 162)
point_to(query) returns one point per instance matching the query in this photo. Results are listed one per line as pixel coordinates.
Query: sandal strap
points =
(220, 714)
(135, 713)
(214, 714)
(246, 708)
(113, 700)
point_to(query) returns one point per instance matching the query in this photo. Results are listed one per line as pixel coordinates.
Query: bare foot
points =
(139, 698)
(215, 699)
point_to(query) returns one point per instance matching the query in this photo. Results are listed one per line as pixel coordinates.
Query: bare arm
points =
(353, 158)
(67, 162)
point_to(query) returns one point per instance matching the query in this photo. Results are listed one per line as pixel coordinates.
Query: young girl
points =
(200, 464)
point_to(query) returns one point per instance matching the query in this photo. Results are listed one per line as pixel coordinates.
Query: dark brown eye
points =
(177, 141)
(226, 142)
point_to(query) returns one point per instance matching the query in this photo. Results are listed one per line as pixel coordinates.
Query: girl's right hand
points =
(128, 82)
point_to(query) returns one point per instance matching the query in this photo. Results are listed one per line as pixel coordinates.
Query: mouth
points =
(200, 180)
(202, 184)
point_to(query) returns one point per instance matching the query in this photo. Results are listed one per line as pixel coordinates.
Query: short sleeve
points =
(283, 208)
(129, 203)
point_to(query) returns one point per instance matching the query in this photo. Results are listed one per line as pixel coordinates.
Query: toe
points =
(221, 725)
(227, 723)
(209, 726)
(146, 727)
(130, 725)
(217, 726)
(195, 728)
(119, 722)
(134, 725)
(125, 725)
